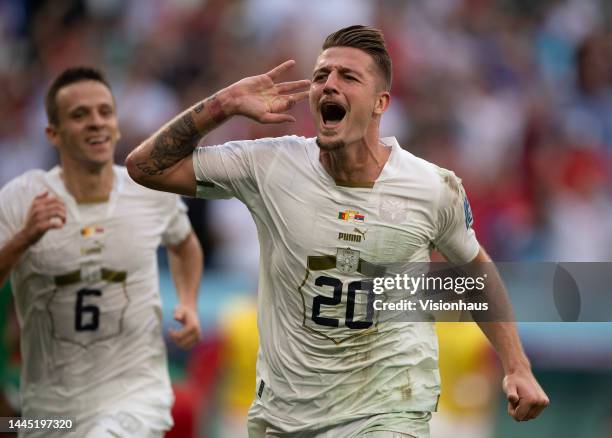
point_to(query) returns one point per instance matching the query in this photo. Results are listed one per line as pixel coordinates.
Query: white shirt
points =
(87, 300)
(324, 359)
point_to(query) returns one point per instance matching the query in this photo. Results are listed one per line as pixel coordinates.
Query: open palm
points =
(262, 99)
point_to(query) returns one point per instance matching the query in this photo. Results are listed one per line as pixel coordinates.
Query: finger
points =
(42, 195)
(534, 412)
(61, 213)
(52, 201)
(55, 222)
(511, 392)
(48, 219)
(300, 96)
(280, 69)
(538, 408)
(276, 118)
(179, 315)
(47, 209)
(195, 338)
(288, 87)
(182, 338)
(177, 335)
(196, 332)
(44, 216)
(57, 211)
(520, 414)
(183, 331)
(512, 410)
(188, 340)
(48, 199)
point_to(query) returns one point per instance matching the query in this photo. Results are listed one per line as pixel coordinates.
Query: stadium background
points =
(515, 96)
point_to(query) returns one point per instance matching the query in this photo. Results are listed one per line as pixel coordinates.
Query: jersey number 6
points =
(81, 310)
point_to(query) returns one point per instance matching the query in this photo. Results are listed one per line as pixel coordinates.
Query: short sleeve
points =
(455, 237)
(225, 171)
(10, 219)
(178, 226)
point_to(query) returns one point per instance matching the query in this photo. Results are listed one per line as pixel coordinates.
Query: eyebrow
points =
(78, 108)
(89, 107)
(342, 70)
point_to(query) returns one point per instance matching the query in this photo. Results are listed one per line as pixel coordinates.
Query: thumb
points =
(179, 314)
(511, 393)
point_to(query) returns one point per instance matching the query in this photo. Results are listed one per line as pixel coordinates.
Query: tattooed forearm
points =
(171, 145)
(174, 143)
(180, 137)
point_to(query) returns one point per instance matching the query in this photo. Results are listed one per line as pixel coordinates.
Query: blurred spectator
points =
(144, 102)
(588, 114)
(579, 213)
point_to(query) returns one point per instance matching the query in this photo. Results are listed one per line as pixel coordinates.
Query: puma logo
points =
(363, 233)
(349, 237)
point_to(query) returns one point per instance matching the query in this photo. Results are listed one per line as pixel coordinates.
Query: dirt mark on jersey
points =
(406, 390)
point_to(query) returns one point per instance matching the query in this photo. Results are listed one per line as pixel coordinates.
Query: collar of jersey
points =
(54, 182)
(313, 153)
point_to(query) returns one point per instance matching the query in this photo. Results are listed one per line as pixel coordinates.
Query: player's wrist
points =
(188, 303)
(517, 365)
(225, 103)
(22, 240)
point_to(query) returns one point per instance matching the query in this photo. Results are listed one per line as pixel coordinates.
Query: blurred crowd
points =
(515, 96)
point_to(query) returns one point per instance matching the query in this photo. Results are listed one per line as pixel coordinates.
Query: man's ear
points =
(382, 102)
(52, 134)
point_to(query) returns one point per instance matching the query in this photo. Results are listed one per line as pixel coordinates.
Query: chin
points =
(330, 145)
(99, 161)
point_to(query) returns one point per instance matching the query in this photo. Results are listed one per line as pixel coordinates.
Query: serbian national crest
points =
(347, 260)
(392, 210)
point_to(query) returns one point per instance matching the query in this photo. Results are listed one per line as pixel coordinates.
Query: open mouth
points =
(332, 113)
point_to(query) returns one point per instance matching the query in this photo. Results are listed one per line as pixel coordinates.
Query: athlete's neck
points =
(88, 185)
(358, 163)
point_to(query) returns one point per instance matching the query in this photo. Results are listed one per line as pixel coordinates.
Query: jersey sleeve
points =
(10, 218)
(178, 226)
(455, 237)
(226, 171)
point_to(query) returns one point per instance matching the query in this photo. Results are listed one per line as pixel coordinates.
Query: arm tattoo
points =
(171, 145)
(180, 138)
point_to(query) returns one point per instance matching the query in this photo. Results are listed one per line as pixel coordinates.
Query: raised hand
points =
(264, 99)
(46, 212)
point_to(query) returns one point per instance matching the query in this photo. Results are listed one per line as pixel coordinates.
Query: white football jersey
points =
(87, 300)
(325, 355)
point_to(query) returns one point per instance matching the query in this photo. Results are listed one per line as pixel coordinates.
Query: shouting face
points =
(347, 96)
